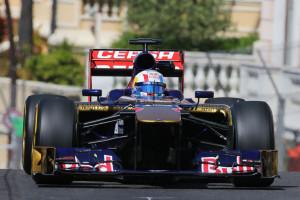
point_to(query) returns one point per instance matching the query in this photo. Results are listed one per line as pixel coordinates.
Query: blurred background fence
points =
(24, 88)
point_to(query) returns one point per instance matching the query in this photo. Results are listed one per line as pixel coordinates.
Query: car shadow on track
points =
(231, 187)
(186, 185)
(120, 185)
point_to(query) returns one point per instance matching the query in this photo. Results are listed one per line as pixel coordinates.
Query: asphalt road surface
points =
(15, 185)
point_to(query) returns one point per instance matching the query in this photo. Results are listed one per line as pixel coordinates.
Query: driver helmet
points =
(148, 83)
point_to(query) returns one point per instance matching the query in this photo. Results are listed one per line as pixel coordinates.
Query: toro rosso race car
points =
(147, 130)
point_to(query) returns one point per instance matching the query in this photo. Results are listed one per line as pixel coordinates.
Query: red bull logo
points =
(210, 165)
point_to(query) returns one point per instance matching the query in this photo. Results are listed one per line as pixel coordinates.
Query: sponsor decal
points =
(86, 167)
(123, 60)
(145, 77)
(211, 165)
(106, 166)
(149, 76)
(68, 167)
(93, 108)
(130, 55)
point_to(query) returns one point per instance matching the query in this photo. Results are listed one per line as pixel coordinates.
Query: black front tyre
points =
(55, 127)
(28, 127)
(253, 126)
(253, 130)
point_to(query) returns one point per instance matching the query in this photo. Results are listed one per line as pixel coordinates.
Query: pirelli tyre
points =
(253, 130)
(28, 127)
(55, 127)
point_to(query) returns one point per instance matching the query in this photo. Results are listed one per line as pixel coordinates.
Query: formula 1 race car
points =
(147, 131)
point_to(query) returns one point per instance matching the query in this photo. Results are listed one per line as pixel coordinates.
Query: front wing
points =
(105, 163)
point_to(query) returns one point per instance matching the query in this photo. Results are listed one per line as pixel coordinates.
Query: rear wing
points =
(105, 62)
(115, 62)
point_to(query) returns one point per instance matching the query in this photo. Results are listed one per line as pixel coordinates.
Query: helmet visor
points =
(151, 90)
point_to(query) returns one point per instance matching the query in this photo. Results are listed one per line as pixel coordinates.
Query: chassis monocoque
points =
(121, 137)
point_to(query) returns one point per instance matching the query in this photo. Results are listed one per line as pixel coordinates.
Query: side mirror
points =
(204, 94)
(92, 92)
